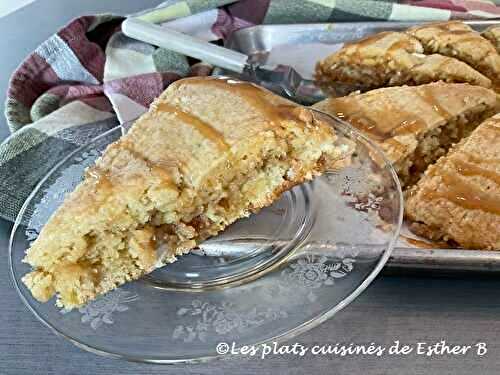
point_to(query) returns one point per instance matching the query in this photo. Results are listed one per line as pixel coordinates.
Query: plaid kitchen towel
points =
(89, 77)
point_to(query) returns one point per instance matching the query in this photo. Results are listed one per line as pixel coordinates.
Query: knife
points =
(281, 79)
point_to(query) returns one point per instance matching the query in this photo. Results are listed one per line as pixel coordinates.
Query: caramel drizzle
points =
(202, 127)
(154, 167)
(470, 39)
(409, 127)
(426, 244)
(468, 35)
(465, 195)
(493, 126)
(469, 169)
(348, 110)
(103, 180)
(474, 159)
(398, 147)
(426, 93)
(440, 25)
(101, 185)
(447, 28)
(356, 47)
(377, 124)
(406, 123)
(367, 40)
(403, 44)
(255, 96)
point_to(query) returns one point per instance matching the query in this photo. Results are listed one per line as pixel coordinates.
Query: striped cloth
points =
(89, 77)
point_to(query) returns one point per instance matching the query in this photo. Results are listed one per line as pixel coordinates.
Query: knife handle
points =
(185, 44)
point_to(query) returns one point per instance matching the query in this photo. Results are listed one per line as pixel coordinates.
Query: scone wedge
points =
(415, 125)
(458, 40)
(458, 199)
(208, 152)
(389, 59)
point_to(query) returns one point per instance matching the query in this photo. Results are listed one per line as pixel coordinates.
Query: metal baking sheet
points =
(297, 41)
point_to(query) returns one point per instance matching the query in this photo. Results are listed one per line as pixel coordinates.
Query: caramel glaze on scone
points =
(458, 40)
(415, 125)
(458, 199)
(389, 59)
(208, 152)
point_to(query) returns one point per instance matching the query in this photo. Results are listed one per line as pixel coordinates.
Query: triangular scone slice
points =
(458, 40)
(208, 152)
(435, 67)
(492, 33)
(415, 125)
(389, 59)
(458, 198)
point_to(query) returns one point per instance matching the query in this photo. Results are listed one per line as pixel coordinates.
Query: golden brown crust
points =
(459, 197)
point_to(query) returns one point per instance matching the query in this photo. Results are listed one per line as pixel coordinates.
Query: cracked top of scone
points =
(458, 40)
(391, 59)
(209, 129)
(397, 117)
(458, 199)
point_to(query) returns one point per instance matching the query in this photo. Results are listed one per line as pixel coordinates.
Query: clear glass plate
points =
(266, 278)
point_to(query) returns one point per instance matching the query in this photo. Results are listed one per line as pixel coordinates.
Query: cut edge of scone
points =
(366, 63)
(457, 199)
(436, 143)
(162, 216)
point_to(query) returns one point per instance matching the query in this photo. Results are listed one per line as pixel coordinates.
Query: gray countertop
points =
(461, 311)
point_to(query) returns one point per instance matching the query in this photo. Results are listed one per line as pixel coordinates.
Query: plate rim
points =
(287, 335)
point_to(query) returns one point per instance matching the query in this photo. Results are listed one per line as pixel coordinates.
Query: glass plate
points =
(266, 278)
